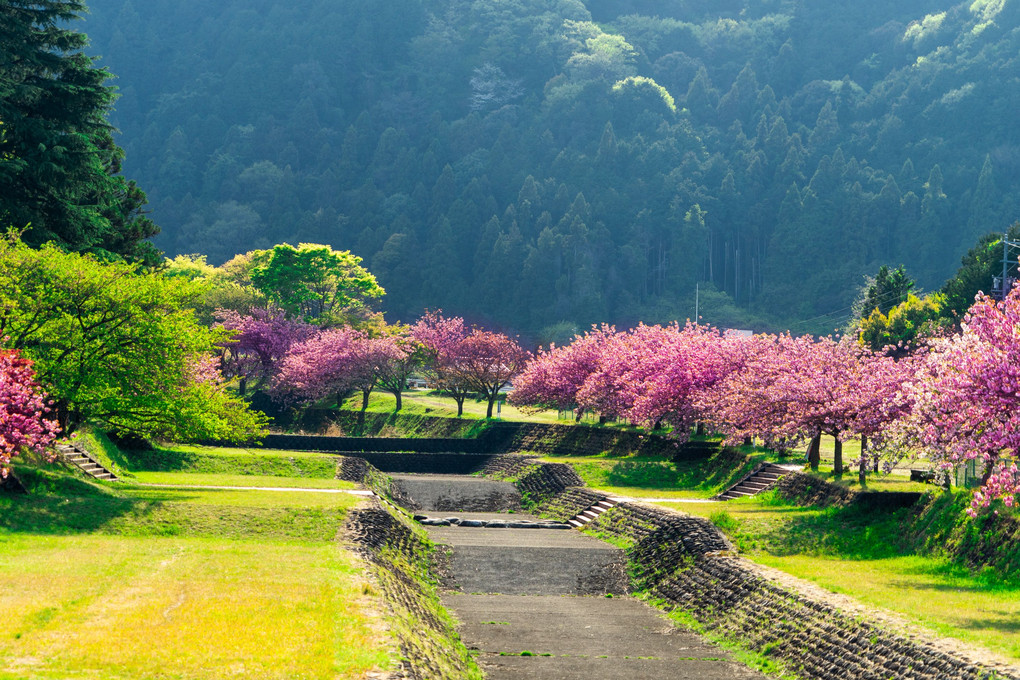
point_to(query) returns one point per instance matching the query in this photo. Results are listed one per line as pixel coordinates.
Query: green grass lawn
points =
(867, 556)
(425, 402)
(660, 477)
(103, 581)
(192, 478)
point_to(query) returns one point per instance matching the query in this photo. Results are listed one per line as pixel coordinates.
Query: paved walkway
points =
(552, 604)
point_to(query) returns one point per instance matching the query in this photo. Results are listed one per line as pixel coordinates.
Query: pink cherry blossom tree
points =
(393, 358)
(23, 422)
(487, 362)
(670, 368)
(967, 399)
(554, 376)
(260, 340)
(744, 403)
(334, 362)
(441, 339)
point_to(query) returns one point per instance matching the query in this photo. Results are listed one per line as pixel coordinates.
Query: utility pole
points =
(1002, 286)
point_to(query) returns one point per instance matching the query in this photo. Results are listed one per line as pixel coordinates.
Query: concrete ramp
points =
(529, 561)
(542, 603)
(456, 493)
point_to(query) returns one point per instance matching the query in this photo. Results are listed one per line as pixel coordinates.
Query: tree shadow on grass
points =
(59, 503)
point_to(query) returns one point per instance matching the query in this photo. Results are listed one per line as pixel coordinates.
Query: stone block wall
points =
(400, 560)
(686, 564)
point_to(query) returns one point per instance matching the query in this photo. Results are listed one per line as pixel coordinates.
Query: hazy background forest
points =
(544, 165)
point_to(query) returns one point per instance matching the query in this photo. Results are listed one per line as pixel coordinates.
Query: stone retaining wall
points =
(535, 480)
(399, 558)
(682, 561)
(311, 442)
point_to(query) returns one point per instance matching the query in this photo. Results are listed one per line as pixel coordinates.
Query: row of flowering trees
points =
(953, 400)
(298, 362)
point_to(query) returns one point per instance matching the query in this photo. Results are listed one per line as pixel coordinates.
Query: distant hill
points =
(545, 165)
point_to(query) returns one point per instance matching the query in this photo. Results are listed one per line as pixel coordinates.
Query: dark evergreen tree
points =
(58, 163)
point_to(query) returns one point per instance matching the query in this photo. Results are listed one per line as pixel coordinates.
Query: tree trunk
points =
(837, 457)
(748, 441)
(578, 415)
(602, 420)
(364, 399)
(989, 468)
(396, 393)
(488, 409)
(242, 386)
(460, 406)
(699, 429)
(862, 469)
(657, 426)
(814, 454)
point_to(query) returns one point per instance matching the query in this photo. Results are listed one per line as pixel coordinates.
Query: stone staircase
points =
(89, 465)
(761, 479)
(591, 512)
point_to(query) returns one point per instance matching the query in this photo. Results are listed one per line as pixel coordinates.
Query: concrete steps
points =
(86, 463)
(585, 516)
(761, 479)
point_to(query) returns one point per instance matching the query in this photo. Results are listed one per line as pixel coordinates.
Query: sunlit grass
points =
(925, 590)
(862, 555)
(425, 402)
(198, 479)
(96, 606)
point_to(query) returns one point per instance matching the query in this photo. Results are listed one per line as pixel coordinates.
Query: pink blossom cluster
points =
(466, 360)
(649, 375)
(967, 399)
(259, 340)
(23, 409)
(333, 362)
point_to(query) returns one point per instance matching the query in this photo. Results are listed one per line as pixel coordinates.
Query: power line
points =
(846, 312)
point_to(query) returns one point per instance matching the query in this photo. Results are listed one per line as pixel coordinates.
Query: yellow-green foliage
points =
(647, 84)
(905, 322)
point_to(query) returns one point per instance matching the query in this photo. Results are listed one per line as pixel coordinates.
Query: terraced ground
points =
(549, 603)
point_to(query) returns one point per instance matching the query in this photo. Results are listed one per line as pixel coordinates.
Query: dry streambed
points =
(540, 603)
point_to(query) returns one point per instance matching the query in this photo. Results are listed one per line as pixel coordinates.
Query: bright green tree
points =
(317, 283)
(895, 332)
(117, 346)
(58, 163)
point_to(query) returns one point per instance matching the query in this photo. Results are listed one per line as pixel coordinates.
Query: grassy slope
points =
(104, 582)
(874, 558)
(422, 402)
(659, 477)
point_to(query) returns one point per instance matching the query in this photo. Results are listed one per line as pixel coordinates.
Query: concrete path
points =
(552, 604)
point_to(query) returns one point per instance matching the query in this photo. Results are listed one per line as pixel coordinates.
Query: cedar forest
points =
(544, 166)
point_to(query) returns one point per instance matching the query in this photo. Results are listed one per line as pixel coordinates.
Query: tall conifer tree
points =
(59, 164)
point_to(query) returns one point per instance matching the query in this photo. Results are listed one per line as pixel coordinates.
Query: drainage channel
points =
(541, 603)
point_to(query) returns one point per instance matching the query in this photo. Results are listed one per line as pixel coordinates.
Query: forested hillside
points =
(543, 165)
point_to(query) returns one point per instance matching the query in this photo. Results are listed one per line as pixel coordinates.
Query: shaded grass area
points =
(425, 402)
(885, 559)
(217, 460)
(897, 480)
(112, 581)
(63, 504)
